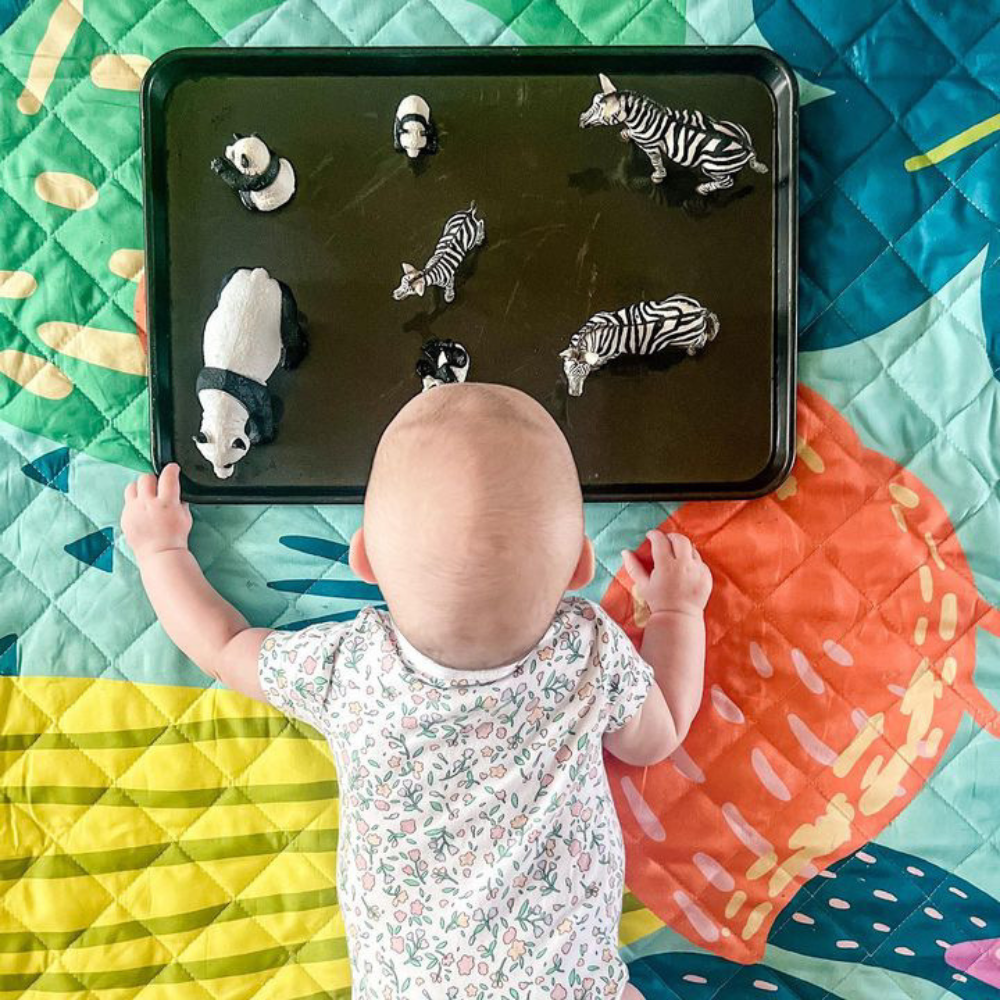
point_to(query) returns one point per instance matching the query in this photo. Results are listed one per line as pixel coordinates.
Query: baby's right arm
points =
(676, 591)
(207, 629)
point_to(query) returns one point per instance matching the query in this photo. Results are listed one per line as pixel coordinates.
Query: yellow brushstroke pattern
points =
(949, 617)
(59, 33)
(209, 772)
(904, 495)
(926, 583)
(35, 375)
(121, 352)
(118, 72)
(754, 919)
(127, 264)
(811, 458)
(17, 284)
(953, 145)
(920, 631)
(735, 904)
(788, 488)
(66, 190)
(897, 514)
(933, 550)
(640, 610)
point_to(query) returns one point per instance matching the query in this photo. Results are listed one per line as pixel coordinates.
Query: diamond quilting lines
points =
(899, 28)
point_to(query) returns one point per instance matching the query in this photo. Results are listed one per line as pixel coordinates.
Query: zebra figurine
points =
(642, 328)
(462, 232)
(719, 149)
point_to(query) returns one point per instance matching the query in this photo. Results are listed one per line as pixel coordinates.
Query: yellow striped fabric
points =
(169, 843)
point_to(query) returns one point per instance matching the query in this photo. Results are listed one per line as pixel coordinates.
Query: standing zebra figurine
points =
(719, 149)
(642, 328)
(462, 232)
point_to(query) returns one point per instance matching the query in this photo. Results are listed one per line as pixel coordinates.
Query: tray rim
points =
(171, 69)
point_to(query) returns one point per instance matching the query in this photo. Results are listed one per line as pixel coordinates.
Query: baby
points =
(480, 855)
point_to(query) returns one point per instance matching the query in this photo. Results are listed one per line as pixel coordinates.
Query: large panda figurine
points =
(255, 327)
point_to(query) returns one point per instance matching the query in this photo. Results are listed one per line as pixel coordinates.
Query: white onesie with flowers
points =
(480, 855)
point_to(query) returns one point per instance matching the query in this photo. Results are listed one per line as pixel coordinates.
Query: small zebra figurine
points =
(263, 180)
(462, 232)
(719, 149)
(442, 362)
(642, 328)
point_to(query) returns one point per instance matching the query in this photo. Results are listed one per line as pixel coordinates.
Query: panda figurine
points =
(442, 362)
(255, 327)
(263, 180)
(413, 129)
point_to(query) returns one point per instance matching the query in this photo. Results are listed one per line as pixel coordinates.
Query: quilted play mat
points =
(830, 828)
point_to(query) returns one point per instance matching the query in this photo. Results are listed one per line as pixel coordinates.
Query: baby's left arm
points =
(207, 629)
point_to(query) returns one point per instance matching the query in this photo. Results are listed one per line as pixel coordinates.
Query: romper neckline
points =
(423, 664)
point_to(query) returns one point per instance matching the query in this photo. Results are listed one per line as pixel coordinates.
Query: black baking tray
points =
(574, 225)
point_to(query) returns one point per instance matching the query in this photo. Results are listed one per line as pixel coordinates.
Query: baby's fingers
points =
(660, 544)
(169, 490)
(681, 544)
(130, 491)
(635, 569)
(146, 487)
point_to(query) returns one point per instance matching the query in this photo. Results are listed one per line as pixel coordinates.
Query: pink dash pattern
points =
(714, 873)
(979, 959)
(810, 742)
(745, 833)
(768, 776)
(807, 675)
(696, 916)
(643, 814)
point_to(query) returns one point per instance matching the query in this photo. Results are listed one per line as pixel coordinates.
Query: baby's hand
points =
(154, 520)
(680, 581)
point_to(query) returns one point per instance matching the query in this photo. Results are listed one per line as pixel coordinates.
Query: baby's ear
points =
(358, 558)
(584, 571)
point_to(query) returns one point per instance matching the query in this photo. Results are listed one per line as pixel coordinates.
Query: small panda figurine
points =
(255, 327)
(442, 362)
(263, 180)
(413, 130)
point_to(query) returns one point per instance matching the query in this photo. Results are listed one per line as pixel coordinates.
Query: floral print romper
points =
(480, 854)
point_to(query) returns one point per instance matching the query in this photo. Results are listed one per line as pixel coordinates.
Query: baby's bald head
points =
(474, 523)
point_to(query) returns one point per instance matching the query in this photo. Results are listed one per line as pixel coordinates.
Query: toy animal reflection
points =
(643, 328)
(413, 129)
(442, 362)
(463, 232)
(263, 180)
(255, 327)
(719, 149)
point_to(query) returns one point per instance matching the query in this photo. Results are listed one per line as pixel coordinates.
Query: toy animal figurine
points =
(719, 149)
(642, 328)
(413, 130)
(255, 327)
(462, 232)
(442, 362)
(263, 180)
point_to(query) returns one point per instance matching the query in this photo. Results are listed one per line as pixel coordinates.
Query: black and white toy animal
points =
(413, 130)
(642, 328)
(263, 180)
(255, 327)
(719, 149)
(442, 362)
(463, 232)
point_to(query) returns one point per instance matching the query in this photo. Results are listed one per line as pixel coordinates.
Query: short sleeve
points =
(625, 676)
(296, 672)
